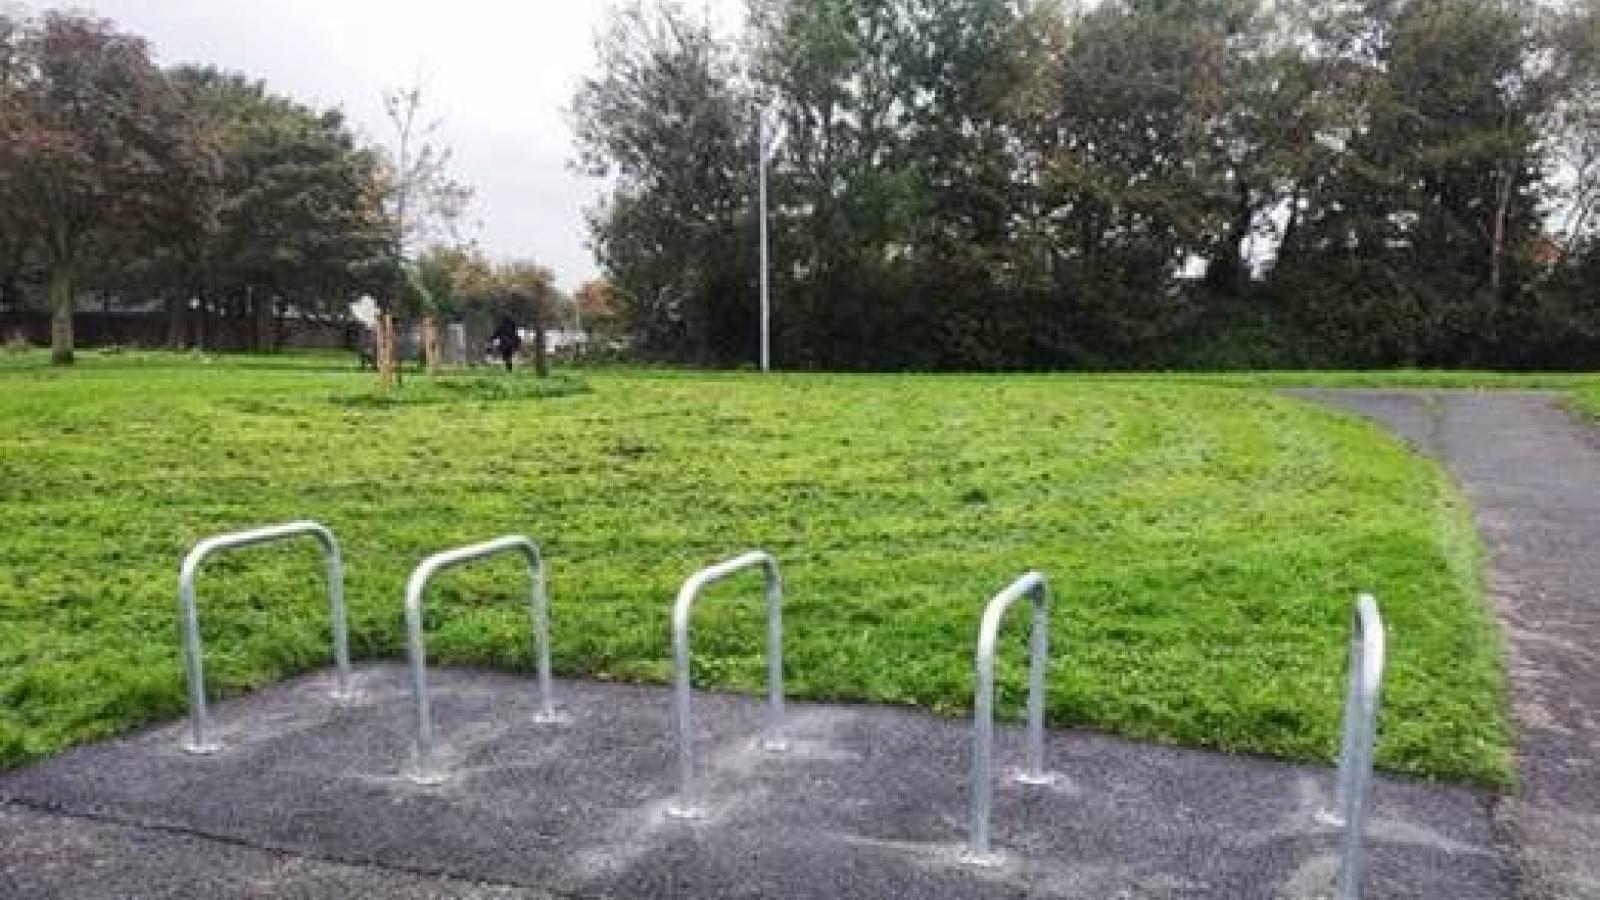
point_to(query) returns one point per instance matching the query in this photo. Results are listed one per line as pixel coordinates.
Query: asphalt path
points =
(868, 802)
(1532, 471)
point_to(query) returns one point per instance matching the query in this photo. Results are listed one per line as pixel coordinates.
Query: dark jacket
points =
(506, 338)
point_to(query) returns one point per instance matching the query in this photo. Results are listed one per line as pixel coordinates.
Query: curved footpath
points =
(1533, 474)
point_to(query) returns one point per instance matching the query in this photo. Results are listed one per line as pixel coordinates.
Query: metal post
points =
(1038, 662)
(1349, 732)
(193, 662)
(766, 300)
(424, 766)
(1362, 693)
(686, 805)
(1034, 586)
(773, 740)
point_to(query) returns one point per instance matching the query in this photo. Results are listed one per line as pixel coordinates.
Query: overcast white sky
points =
(499, 72)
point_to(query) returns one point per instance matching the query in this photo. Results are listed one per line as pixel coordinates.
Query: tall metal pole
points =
(766, 300)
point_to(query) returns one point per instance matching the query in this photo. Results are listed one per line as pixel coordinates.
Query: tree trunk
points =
(175, 323)
(261, 306)
(386, 352)
(1498, 250)
(61, 341)
(281, 329)
(430, 344)
(541, 362)
(1228, 271)
(11, 286)
(1291, 231)
(700, 331)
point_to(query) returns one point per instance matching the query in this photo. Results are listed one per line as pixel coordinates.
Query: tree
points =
(1407, 254)
(15, 245)
(962, 74)
(442, 282)
(95, 145)
(423, 202)
(1130, 182)
(300, 225)
(522, 290)
(601, 310)
(1572, 124)
(1007, 183)
(668, 120)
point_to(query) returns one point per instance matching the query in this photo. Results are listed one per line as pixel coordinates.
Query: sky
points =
(499, 73)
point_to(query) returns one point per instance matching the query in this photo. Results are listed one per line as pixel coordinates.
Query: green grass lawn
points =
(1586, 400)
(1204, 542)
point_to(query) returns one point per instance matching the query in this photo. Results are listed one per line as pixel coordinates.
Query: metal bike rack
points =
(685, 806)
(424, 767)
(1034, 586)
(194, 665)
(1362, 691)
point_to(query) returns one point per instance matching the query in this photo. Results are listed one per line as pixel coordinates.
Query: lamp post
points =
(768, 141)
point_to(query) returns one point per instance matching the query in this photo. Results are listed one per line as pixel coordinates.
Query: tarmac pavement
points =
(308, 799)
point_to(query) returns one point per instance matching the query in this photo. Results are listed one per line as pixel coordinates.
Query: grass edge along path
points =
(1585, 401)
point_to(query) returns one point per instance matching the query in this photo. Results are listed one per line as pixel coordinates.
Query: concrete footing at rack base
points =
(310, 797)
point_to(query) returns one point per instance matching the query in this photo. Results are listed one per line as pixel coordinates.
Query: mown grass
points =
(1204, 543)
(1586, 401)
(455, 388)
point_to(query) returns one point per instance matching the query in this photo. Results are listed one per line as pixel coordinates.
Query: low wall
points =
(151, 329)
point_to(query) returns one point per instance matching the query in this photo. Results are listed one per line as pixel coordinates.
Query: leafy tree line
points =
(1020, 183)
(130, 182)
(197, 186)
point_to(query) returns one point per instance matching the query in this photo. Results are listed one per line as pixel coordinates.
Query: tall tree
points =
(15, 242)
(600, 310)
(444, 281)
(962, 72)
(1407, 256)
(842, 191)
(1131, 180)
(95, 145)
(1001, 183)
(668, 120)
(300, 225)
(1572, 124)
(424, 201)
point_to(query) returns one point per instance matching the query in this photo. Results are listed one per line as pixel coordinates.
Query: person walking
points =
(507, 340)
